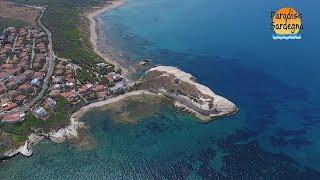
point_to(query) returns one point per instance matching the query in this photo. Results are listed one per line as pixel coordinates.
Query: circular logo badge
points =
(287, 21)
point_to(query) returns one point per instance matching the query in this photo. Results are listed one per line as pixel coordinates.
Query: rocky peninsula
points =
(176, 85)
(186, 93)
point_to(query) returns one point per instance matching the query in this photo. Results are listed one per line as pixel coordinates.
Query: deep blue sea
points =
(228, 46)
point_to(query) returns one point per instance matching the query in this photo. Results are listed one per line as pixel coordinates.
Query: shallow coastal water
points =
(274, 83)
(154, 148)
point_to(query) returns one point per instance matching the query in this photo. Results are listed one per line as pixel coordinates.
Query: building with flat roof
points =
(40, 112)
(50, 103)
(35, 82)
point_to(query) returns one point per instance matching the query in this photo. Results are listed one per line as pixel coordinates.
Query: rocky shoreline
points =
(171, 82)
(25, 150)
(70, 131)
(187, 94)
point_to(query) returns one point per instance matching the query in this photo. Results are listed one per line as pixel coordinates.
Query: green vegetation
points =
(105, 81)
(57, 119)
(65, 20)
(2, 149)
(85, 77)
(68, 26)
(7, 142)
(23, 129)
(6, 22)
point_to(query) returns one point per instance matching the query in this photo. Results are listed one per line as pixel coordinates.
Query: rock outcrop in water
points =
(186, 92)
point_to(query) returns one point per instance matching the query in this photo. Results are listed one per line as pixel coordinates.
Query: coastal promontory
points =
(182, 88)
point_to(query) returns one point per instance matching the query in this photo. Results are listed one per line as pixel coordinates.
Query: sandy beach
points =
(71, 131)
(92, 16)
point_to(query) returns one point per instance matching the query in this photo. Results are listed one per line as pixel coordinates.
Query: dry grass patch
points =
(14, 11)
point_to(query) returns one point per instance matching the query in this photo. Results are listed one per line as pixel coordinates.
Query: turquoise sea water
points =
(226, 45)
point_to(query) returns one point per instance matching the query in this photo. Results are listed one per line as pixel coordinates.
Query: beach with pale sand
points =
(71, 131)
(92, 16)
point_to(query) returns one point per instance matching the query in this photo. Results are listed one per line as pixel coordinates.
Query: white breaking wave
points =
(286, 37)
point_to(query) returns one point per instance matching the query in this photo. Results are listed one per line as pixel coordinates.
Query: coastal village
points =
(25, 56)
(43, 96)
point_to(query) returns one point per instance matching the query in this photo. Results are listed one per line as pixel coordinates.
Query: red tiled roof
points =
(110, 79)
(69, 66)
(21, 77)
(100, 87)
(13, 71)
(69, 95)
(7, 66)
(8, 106)
(28, 72)
(2, 89)
(102, 94)
(13, 93)
(2, 52)
(20, 98)
(85, 88)
(70, 77)
(69, 71)
(54, 93)
(36, 65)
(24, 86)
(13, 118)
(49, 102)
(39, 75)
(58, 72)
(22, 64)
(24, 54)
(11, 84)
(3, 74)
(8, 46)
(59, 66)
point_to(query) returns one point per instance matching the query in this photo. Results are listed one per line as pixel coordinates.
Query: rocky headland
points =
(186, 93)
(171, 82)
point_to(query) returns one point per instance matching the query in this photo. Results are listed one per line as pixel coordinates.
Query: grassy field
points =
(15, 11)
(70, 28)
(6, 22)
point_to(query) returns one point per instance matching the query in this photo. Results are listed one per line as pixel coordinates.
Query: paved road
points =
(32, 54)
(51, 58)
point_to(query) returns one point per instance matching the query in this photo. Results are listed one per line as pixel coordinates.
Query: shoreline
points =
(71, 131)
(94, 28)
(77, 115)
